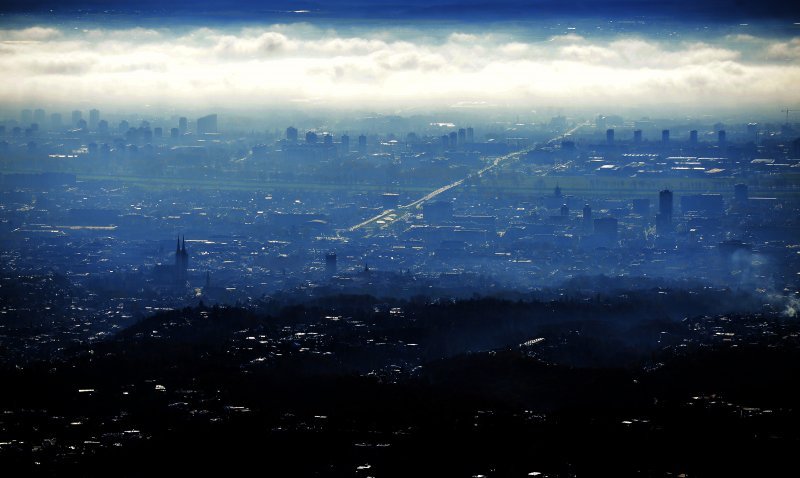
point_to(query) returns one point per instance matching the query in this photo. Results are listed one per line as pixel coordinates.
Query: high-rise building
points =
(327, 139)
(470, 135)
(345, 144)
(453, 139)
(637, 136)
(76, 116)
(158, 132)
(610, 136)
(462, 136)
(693, 136)
(587, 217)
(207, 124)
(311, 137)
(362, 144)
(664, 218)
(174, 133)
(102, 127)
(721, 136)
(291, 134)
(183, 125)
(94, 118)
(330, 263)
(26, 117)
(665, 203)
(665, 136)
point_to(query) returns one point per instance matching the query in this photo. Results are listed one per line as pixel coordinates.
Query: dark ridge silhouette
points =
(326, 387)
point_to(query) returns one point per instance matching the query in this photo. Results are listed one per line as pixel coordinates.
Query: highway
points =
(392, 215)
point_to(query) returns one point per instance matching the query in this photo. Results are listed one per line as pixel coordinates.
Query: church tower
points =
(181, 261)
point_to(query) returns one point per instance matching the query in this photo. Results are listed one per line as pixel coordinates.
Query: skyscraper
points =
(665, 203)
(664, 218)
(94, 118)
(665, 136)
(207, 124)
(693, 136)
(637, 136)
(330, 263)
(183, 125)
(291, 134)
(610, 136)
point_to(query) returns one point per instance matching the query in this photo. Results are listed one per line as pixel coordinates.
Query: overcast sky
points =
(383, 67)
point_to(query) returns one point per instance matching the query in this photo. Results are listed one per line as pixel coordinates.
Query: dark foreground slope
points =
(356, 386)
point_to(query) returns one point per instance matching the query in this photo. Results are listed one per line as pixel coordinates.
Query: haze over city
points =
(429, 238)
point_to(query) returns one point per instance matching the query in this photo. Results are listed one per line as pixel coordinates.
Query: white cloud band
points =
(281, 64)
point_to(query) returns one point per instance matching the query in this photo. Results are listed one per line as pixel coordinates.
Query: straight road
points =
(402, 211)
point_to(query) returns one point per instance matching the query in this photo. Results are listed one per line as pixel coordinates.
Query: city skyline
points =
(391, 239)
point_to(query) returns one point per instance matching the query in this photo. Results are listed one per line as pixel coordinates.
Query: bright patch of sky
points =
(390, 68)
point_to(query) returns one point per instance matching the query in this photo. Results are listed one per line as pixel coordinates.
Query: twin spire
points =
(181, 247)
(181, 260)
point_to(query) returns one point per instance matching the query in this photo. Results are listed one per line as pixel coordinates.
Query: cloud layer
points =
(302, 64)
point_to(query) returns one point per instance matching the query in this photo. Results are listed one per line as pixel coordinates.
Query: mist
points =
(428, 238)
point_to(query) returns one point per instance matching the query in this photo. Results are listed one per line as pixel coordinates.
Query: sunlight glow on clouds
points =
(283, 64)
